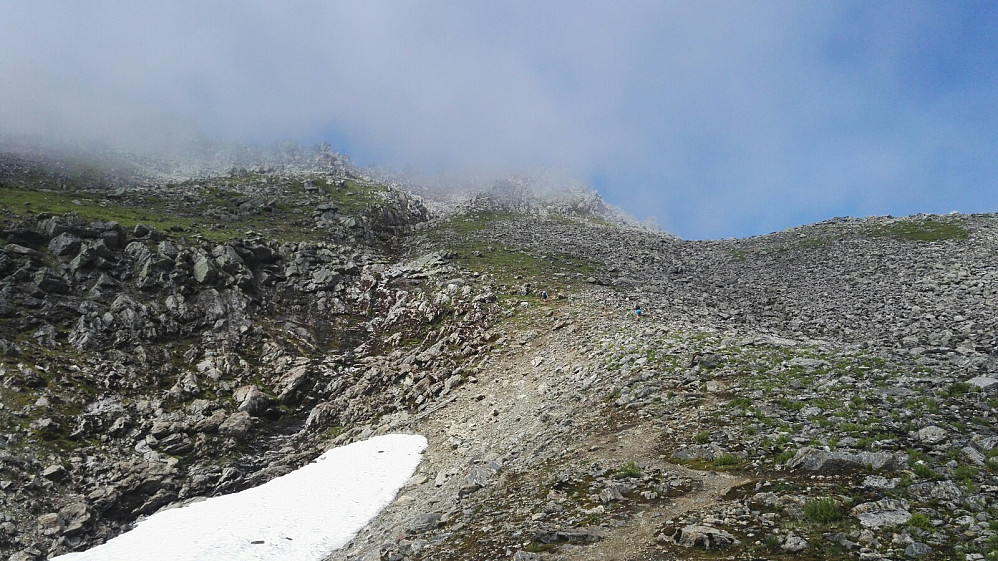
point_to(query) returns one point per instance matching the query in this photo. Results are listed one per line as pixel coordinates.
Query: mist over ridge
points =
(713, 121)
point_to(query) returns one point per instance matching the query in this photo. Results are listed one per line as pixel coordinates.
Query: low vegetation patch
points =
(822, 511)
(628, 470)
(920, 230)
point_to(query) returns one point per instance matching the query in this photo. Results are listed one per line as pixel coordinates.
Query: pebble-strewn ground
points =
(828, 392)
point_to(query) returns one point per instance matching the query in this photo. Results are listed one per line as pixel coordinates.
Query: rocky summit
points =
(825, 392)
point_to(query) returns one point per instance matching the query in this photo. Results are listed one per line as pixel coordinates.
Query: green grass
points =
(920, 230)
(83, 204)
(628, 470)
(727, 460)
(512, 267)
(957, 389)
(822, 511)
(212, 207)
(740, 402)
(473, 222)
(923, 470)
(965, 474)
(333, 432)
(919, 520)
(790, 404)
(352, 197)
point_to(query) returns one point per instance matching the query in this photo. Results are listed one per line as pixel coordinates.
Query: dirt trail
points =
(526, 409)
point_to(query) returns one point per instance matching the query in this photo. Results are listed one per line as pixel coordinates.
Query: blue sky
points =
(714, 119)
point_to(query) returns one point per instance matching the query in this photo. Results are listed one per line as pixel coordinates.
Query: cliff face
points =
(825, 391)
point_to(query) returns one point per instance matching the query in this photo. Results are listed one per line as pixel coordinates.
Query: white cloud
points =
(677, 105)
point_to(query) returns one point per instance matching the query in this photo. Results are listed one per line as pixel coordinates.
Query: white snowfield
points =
(301, 516)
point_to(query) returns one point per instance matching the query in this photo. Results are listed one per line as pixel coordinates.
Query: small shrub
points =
(784, 456)
(957, 389)
(333, 432)
(965, 474)
(702, 437)
(822, 511)
(919, 520)
(628, 470)
(740, 402)
(823, 422)
(790, 405)
(772, 543)
(726, 460)
(922, 470)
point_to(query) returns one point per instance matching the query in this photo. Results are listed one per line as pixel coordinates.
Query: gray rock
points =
(29, 554)
(321, 416)
(974, 456)
(984, 382)
(168, 250)
(65, 245)
(706, 537)
(176, 444)
(573, 535)
(237, 424)
(251, 400)
(931, 434)
(14, 249)
(879, 482)
(885, 512)
(938, 490)
(51, 282)
(425, 522)
(49, 524)
(289, 385)
(708, 452)
(834, 461)
(794, 544)
(917, 549)
(477, 478)
(74, 518)
(204, 269)
(54, 472)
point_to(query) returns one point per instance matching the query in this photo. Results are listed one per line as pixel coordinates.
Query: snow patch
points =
(301, 516)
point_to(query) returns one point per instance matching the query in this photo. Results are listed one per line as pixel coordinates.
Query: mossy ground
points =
(919, 229)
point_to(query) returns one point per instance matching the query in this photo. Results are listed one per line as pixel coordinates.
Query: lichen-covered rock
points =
(885, 512)
(706, 537)
(833, 461)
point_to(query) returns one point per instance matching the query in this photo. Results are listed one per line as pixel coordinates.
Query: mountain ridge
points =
(823, 392)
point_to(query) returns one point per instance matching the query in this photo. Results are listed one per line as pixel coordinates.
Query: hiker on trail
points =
(544, 295)
(637, 311)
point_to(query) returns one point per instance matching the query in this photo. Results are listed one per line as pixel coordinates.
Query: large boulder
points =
(65, 245)
(885, 512)
(251, 400)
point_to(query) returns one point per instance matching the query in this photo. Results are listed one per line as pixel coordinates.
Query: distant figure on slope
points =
(544, 295)
(637, 312)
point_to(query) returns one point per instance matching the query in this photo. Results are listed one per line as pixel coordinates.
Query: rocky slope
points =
(827, 392)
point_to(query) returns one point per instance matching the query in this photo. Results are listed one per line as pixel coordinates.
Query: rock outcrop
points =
(165, 337)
